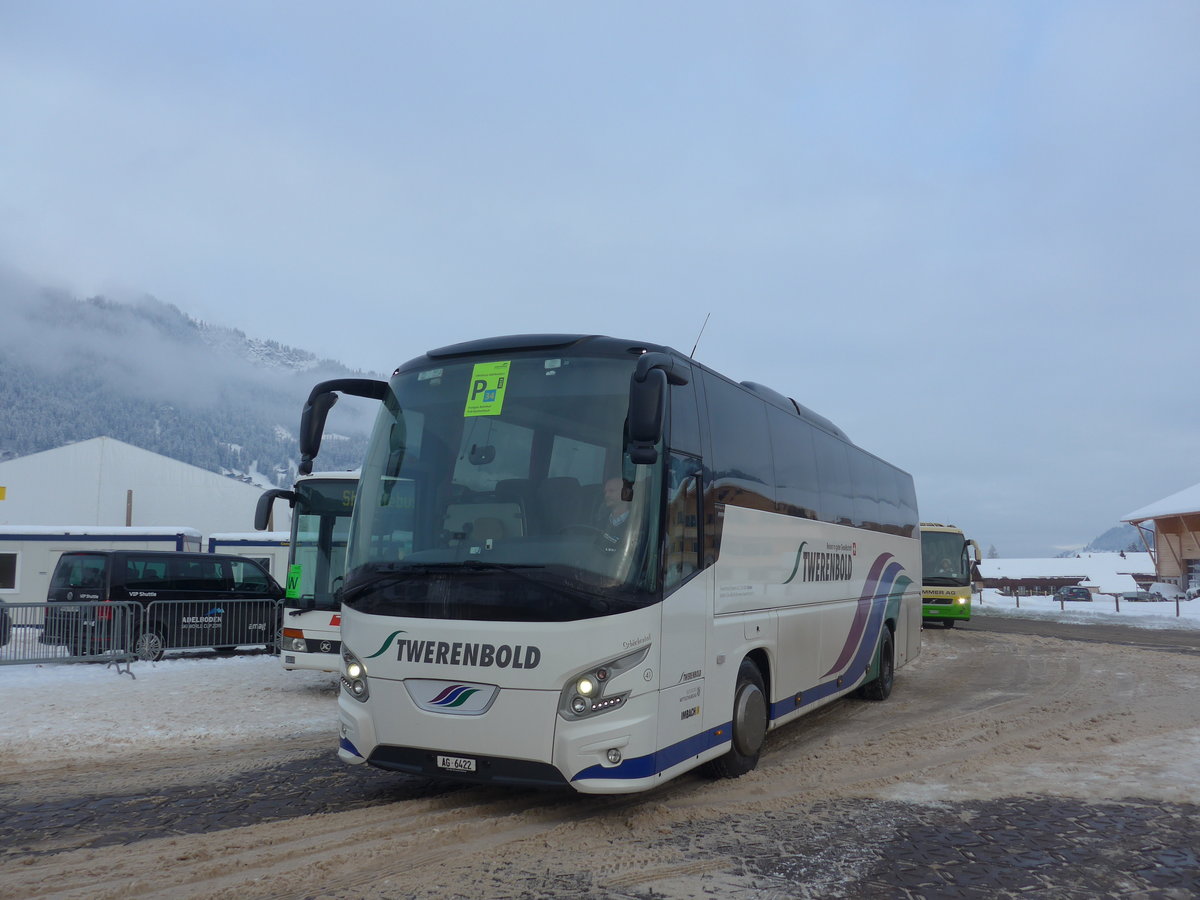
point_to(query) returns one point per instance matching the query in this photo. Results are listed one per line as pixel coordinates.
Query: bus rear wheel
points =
(749, 726)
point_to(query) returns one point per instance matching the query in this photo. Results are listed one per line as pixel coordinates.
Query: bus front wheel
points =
(749, 725)
(881, 687)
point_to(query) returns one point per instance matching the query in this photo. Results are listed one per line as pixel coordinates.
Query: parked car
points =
(1142, 596)
(1073, 593)
(182, 599)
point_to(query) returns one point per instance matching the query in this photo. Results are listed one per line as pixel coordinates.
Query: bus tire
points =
(275, 646)
(150, 645)
(881, 687)
(947, 623)
(749, 725)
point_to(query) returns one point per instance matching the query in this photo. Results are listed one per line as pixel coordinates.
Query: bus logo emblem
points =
(456, 698)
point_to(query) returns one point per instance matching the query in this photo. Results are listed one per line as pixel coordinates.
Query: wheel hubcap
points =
(749, 720)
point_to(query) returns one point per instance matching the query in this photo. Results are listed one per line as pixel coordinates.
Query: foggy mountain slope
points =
(146, 373)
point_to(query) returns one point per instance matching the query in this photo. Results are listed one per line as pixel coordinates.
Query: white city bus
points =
(506, 619)
(321, 507)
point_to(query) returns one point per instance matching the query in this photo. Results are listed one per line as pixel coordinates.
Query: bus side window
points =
(683, 521)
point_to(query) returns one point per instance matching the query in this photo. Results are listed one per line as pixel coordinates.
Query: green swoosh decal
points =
(796, 567)
(391, 637)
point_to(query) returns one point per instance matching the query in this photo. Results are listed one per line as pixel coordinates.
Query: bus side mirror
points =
(648, 404)
(262, 512)
(316, 410)
(312, 427)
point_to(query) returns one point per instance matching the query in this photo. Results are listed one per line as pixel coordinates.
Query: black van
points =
(183, 600)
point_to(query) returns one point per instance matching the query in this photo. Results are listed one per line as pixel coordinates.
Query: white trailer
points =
(28, 553)
(270, 548)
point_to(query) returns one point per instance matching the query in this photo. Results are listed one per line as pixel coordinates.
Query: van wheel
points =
(881, 687)
(150, 644)
(749, 725)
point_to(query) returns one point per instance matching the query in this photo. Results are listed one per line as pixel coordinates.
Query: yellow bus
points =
(948, 563)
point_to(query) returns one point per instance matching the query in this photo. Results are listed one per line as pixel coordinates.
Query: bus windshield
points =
(944, 558)
(320, 526)
(498, 490)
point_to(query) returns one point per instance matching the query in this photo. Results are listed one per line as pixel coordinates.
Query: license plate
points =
(456, 763)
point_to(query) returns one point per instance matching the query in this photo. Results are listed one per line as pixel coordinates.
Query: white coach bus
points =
(322, 503)
(578, 560)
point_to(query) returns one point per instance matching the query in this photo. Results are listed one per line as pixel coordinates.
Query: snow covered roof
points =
(106, 483)
(1178, 504)
(1107, 572)
(100, 530)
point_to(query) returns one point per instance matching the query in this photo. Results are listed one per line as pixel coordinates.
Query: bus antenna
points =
(697, 344)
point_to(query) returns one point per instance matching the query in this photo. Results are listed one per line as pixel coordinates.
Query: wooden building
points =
(1170, 530)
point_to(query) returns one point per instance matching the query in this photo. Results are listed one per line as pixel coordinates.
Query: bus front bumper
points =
(940, 611)
(520, 742)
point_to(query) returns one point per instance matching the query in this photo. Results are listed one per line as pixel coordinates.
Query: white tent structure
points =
(107, 482)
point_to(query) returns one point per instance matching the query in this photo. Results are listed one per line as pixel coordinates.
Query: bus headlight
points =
(589, 693)
(354, 676)
(293, 641)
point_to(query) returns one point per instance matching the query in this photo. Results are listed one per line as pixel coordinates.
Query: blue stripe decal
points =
(344, 744)
(884, 592)
(653, 763)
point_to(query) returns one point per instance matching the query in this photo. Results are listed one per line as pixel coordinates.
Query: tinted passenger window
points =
(197, 575)
(685, 419)
(742, 473)
(909, 519)
(890, 513)
(798, 485)
(145, 574)
(866, 490)
(833, 467)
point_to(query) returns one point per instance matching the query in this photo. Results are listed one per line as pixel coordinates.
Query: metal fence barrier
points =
(223, 625)
(127, 630)
(58, 632)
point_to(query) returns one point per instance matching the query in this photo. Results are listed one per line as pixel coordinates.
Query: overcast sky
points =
(966, 233)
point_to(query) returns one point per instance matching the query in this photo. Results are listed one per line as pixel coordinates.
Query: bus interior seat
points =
(466, 522)
(515, 490)
(564, 501)
(488, 528)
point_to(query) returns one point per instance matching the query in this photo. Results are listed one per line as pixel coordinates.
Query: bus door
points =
(687, 611)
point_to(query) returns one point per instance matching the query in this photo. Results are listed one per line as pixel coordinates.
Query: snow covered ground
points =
(90, 710)
(1102, 610)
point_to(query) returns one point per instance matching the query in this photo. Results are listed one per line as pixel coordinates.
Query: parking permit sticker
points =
(292, 592)
(486, 394)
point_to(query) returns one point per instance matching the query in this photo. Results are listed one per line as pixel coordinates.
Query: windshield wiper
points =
(402, 571)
